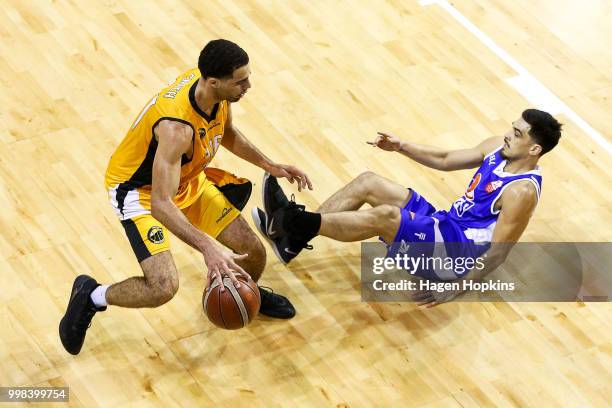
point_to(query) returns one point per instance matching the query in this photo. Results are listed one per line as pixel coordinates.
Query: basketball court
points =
(326, 77)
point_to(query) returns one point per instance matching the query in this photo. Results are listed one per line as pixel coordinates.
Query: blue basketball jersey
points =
(466, 230)
(475, 212)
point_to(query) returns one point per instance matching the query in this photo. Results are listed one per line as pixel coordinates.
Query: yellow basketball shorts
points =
(223, 197)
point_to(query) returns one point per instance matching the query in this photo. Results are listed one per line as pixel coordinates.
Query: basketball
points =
(235, 307)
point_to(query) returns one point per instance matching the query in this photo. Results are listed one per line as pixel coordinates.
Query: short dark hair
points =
(545, 129)
(219, 58)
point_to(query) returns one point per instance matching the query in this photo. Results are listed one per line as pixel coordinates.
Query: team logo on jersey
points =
(156, 235)
(462, 205)
(213, 146)
(494, 185)
(202, 132)
(469, 194)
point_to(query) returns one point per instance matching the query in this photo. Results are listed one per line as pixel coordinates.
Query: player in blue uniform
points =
(496, 206)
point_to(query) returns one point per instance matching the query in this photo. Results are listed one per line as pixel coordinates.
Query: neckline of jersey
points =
(195, 106)
(499, 170)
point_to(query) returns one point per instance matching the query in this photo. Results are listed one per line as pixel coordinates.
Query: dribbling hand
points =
(221, 261)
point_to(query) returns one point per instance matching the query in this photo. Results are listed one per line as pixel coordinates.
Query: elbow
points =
(443, 164)
(157, 208)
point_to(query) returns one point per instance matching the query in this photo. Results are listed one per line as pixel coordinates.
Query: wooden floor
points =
(326, 76)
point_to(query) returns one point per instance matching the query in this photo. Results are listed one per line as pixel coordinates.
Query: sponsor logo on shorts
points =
(404, 247)
(156, 235)
(224, 213)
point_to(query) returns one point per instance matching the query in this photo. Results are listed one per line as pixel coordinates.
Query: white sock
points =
(98, 296)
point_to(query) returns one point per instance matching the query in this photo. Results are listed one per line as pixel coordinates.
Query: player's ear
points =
(535, 150)
(214, 82)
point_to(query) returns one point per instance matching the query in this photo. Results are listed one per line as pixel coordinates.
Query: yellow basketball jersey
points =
(129, 173)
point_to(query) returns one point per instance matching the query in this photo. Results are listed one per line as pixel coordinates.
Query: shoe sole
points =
(258, 223)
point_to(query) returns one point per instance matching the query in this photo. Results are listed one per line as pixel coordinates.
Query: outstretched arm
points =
(438, 158)
(234, 141)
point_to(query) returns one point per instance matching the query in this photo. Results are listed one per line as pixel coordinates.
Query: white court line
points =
(525, 83)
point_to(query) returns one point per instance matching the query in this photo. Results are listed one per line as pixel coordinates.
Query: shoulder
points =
(174, 129)
(520, 193)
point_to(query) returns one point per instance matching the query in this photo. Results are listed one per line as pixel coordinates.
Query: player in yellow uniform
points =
(158, 179)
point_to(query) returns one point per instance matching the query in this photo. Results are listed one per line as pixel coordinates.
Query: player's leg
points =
(214, 214)
(383, 220)
(241, 239)
(158, 285)
(368, 188)
(349, 226)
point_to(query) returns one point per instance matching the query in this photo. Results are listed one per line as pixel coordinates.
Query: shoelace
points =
(293, 204)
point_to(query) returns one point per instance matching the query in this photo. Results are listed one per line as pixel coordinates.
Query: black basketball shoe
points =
(273, 198)
(80, 311)
(286, 247)
(275, 305)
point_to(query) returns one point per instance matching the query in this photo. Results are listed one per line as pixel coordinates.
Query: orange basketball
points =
(235, 307)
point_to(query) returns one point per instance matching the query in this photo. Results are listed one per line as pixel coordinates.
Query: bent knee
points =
(388, 212)
(366, 178)
(366, 175)
(163, 288)
(389, 220)
(256, 258)
(368, 183)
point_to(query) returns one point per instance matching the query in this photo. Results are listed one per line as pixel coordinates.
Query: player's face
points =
(517, 142)
(234, 88)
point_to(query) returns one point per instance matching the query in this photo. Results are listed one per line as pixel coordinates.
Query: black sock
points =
(303, 224)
